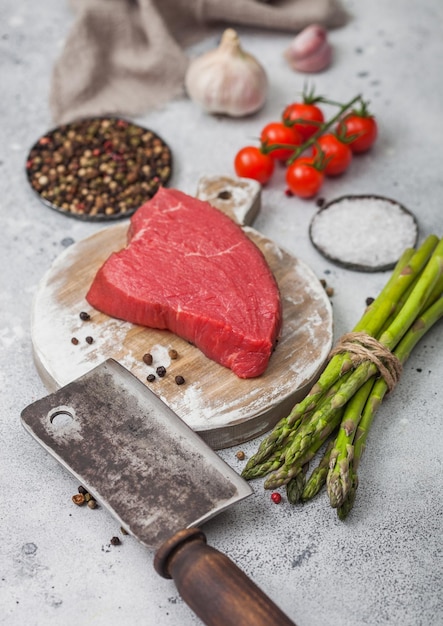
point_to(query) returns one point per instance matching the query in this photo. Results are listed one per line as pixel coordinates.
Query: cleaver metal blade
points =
(138, 458)
(158, 478)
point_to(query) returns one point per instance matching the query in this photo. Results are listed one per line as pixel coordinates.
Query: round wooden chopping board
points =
(224, 409)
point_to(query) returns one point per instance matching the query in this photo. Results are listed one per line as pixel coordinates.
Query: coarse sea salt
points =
(368, 232)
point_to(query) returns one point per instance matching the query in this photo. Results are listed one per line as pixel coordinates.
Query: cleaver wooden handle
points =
(214, 587)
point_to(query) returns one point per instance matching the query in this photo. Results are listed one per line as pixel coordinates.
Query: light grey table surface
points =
(384, 564)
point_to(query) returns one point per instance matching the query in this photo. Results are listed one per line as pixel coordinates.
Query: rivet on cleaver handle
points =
(154, 474)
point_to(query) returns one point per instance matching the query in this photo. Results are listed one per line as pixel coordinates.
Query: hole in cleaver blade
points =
(137, 457)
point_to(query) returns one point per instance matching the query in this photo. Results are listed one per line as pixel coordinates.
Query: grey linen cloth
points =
(129, 56)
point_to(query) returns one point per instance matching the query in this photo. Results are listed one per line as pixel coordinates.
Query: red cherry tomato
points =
(303, 178)
(304, 111)
(251, 162)
(278, 132)
(338, 155)
(360, 125)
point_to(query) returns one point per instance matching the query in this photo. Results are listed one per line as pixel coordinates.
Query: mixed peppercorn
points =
(98, 168)
(147, 357)
(84, 497)
(161, 369)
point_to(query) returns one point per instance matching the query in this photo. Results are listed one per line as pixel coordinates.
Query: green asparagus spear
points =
(339, 478)
(277, 459)
(321, 421)
(290, 469)
(390, 338)
(261, 469)
(407, 269)
(345, 508)
(263, 461)
(339, 481)
(420, 327)
(295, 486)
(423, 290)
(318, 476)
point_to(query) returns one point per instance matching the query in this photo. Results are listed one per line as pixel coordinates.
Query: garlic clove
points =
(310, 51)
(227, 80)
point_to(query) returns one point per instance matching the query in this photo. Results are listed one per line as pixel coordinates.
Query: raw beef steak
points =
(190, 269)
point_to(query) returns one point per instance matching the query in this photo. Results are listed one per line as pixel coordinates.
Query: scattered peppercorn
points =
(85, 316)
(82, 490)
(369, 301)
(179, 380)
(89, 340)
(161, 371)
(115, 541)
(329, 291)
(276, 497)
(150, 378)
(147, 358)
(173, 354)
(92, 504)
(78, 499)
(240, 455)
(320, 202)
(74, 341)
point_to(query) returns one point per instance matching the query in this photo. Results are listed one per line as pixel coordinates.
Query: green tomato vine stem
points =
(267, 148)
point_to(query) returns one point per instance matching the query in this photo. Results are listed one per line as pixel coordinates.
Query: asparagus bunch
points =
(339, 409)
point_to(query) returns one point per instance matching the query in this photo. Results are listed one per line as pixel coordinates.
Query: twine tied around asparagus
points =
(362, 347)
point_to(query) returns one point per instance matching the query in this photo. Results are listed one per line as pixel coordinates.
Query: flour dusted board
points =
(222, 408)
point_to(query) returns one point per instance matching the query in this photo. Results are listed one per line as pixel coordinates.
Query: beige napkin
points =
(127, 57)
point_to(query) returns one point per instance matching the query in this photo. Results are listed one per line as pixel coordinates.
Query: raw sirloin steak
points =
(190, 269)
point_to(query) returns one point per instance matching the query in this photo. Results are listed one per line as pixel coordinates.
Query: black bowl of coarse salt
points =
(97, 169)
(365, 233)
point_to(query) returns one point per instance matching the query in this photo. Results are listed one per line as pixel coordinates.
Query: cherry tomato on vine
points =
(303, 178)
(279, 132)
(304, 111)
(361, 125)
(251, 162)
(338, 155)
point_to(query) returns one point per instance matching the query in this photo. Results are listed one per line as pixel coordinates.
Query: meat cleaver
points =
(159, 479)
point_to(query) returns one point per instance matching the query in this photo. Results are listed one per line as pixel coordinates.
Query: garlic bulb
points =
(227, 80)
(310, 51)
